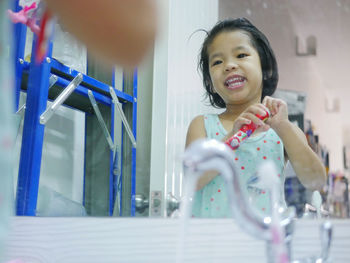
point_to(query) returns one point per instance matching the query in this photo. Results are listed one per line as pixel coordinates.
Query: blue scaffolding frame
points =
(33, 130)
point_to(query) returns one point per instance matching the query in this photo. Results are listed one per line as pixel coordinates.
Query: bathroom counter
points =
(49, 240)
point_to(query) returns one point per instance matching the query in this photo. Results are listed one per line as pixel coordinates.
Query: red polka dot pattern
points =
(266, 148)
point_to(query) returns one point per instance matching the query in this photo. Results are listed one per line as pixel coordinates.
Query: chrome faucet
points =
(204, 155)
(326, 231)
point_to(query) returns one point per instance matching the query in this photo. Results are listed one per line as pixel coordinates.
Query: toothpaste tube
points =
(244, 132)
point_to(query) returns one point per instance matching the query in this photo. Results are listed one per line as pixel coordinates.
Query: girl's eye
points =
(217, 62)
(242, 55)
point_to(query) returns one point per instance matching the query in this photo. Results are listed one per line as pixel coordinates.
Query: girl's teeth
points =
(236, 84)
(233, 80)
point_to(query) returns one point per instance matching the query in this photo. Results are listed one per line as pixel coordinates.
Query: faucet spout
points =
(204, 155)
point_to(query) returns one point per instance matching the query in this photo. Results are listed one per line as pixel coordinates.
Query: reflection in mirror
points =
(80, 159)
(240, 75)
(80, 173)
(304, 43)
(302, 84)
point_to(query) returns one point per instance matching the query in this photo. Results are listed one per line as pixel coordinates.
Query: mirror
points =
(311, 42)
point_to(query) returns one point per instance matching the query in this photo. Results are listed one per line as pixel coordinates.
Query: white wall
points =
(144, 125)
(323, 77)
(177, 89)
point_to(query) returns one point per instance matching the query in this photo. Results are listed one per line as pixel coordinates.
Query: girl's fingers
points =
(241, 121)
(253, 118)
(266, 102)
(265, 99)
(272, 104)
(257, 109)
(263, 108)
(268, 105)
(275, 105)
(266, 127)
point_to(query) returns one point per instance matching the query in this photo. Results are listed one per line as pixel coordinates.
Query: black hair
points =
(259, 42)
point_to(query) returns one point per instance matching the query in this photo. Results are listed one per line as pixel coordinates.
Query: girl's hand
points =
(278, 110)
(248, 116)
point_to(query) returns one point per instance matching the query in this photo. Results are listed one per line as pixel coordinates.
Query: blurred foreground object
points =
(6, 125)
(25, 16)
(120, 31)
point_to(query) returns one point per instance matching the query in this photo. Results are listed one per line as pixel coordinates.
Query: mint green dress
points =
(211, 200)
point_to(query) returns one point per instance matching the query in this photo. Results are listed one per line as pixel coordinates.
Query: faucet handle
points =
(172, 204)
(326, 231)
(288, 220)
(288, 223)
(316, 201)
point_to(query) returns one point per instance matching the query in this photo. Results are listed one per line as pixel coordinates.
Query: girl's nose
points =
(231, 65)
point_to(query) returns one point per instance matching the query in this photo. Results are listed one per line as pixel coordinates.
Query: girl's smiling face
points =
(235, 68)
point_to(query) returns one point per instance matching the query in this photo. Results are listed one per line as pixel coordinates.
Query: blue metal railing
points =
(33, 131)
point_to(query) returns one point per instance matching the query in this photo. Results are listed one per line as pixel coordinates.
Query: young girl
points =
(240, 74)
